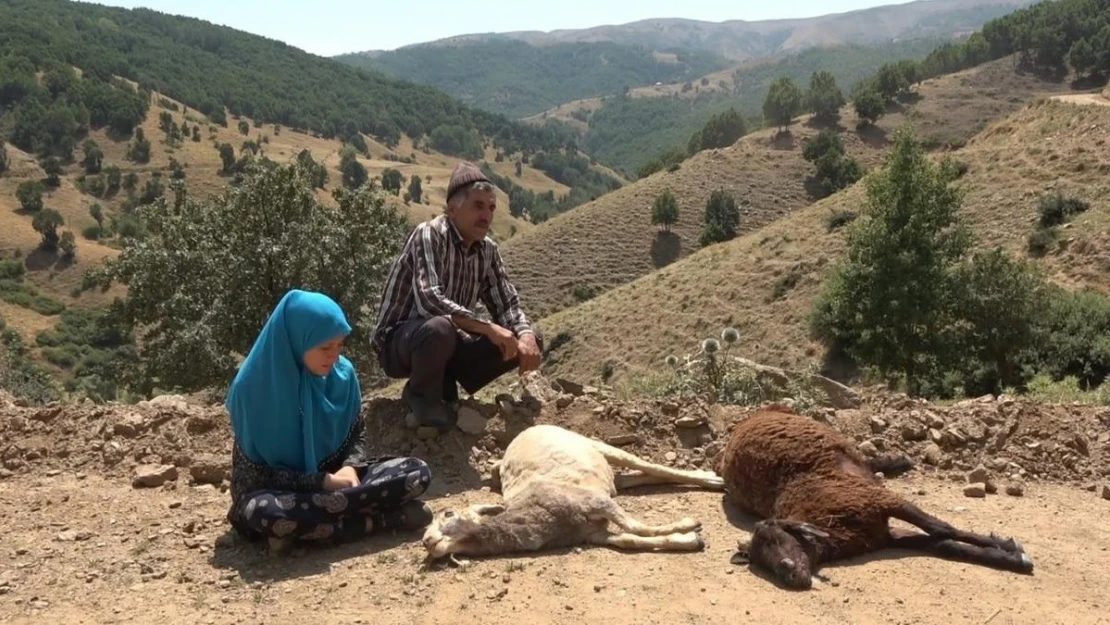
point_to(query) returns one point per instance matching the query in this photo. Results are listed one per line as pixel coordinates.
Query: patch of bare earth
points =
(611, 241)
(82, 544)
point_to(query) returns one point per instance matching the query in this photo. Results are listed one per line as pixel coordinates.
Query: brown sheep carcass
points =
(819, 501)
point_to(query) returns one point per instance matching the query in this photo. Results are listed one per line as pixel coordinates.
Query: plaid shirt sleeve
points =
(501, 299)
(427, 289)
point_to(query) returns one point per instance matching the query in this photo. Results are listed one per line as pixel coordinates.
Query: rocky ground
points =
(115, 513)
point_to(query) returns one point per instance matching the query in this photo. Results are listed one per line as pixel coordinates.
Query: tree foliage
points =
(824, 98)
(664, 211)
(209, 68)
(392, 180)
(889, 304)
(201, 283)
(783, 102)
(835, 170)
(46, 223)
(722, 218)
(416, 190)
(721, 131)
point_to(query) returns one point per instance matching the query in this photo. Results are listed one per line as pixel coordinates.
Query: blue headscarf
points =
(284, 415)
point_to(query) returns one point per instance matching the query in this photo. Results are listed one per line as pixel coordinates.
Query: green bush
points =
(12, 270)
(46, 305)
(1056, 209)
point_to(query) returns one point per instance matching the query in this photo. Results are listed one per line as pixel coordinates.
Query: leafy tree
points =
(835, 170)
(889, 304)
(94, 156)
(96, 211)
(354, 174)
(114, 178)
(392, 180)
(53, 169)
(68, 245)
(869, 106)
(29, 194)
(783, 102)
(1001, 301)
(890, 81)
(208, 273)
(139, 150)
(317, 171)
(46, 222)
(244, 127)
(824, 98)
(227, 158)
(3, 157)
(416, 189)
(196, 134)
(722, 218)
(720, 131)
(664, 211)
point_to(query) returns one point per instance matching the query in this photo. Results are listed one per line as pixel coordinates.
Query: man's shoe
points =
(428, 412)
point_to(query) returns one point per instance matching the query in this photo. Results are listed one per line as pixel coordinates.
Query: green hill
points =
(519, 79)
(209, 67)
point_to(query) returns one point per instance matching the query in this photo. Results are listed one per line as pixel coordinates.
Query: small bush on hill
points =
(722, 218)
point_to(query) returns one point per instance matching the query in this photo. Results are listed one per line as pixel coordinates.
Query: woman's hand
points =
(346, 477)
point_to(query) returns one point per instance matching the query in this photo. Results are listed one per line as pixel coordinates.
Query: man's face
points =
(474, 214)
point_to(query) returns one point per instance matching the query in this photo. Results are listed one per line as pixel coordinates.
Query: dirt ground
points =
(81, 544)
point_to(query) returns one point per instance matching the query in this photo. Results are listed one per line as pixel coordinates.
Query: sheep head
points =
(450, 530)
(786, 549)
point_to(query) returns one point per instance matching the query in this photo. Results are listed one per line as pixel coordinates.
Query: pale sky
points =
(330, 27)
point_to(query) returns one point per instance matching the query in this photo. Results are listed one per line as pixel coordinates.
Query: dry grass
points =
(1045, 146)
(611, 241)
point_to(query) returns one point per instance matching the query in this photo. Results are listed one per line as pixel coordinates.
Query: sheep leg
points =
(685, 541)
(667, 475)
(939, 529)
(611, 511)
(625, 481)
(992, 556)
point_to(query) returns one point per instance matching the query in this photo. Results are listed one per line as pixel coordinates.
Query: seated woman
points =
(301, 467)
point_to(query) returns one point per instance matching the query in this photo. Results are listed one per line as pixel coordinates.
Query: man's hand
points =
(529, 353)
(504, 340)
(346, 477)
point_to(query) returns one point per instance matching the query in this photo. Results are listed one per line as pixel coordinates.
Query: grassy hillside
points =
(45, 294)
(611, 241)
(628, 131)
(215, 72)
(764, 283)
(518, 79)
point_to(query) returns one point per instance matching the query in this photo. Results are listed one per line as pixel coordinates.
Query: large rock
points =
(210, 469)
(470, 420)
(153, 475)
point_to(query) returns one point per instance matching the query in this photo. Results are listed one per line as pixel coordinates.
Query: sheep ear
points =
(805, 530)
(488, 509)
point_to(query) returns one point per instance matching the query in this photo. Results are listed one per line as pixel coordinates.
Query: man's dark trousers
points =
(435, 355)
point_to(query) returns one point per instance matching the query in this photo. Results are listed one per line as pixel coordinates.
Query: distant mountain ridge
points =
(741, 39)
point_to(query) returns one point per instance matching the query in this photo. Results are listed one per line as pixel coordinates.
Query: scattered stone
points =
(470, 421)
(175, 505)
(868, 449)
(210, 469)
(563, 401)
(1106, 492)
(620, 440)
(913, 432)
(152, 476)
(199, 424)
(933, 454)
(426, 433)
(670, 408)
(878, 425)
(689, 422)
(572, 388)
(979, 474)
(671, 456)
(1015, 490)
(411, 422)
(975, 490)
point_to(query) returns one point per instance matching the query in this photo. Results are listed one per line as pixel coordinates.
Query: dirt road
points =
(94, 550)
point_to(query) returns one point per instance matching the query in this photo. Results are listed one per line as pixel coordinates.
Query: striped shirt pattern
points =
(436, 275)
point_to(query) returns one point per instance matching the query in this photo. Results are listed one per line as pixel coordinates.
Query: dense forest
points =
(627, 132)
(518, 79)
(209, 67)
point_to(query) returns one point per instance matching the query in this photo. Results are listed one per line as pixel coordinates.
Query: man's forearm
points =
(473, 326)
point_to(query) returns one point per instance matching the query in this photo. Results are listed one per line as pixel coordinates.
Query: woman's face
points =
(320, 358)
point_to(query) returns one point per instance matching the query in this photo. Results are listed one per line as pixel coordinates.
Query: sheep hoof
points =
(740, 558)
(1026, 563)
